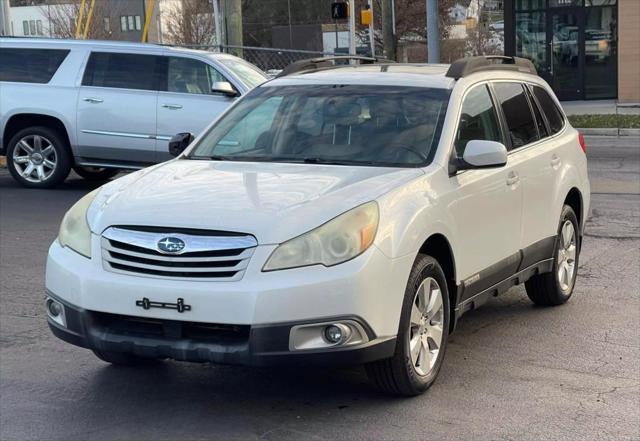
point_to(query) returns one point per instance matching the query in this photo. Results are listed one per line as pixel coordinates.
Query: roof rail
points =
(315, 64)
(466, 66)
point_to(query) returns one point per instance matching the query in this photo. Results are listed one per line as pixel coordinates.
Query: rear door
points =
(186, 102)
(117, 108)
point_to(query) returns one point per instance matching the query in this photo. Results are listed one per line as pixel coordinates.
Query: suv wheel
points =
(38, 157)
(555, 288)
(422, 335)
(96, 174)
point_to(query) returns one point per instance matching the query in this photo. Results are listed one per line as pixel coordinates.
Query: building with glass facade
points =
(586, 49)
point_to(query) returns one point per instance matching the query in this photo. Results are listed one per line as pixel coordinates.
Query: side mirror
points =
(480, 154)
(180, 142)
(224, 88)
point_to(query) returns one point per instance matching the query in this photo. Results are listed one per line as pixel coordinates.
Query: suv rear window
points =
(30, 65)
(122, 71)
(515, 106)
(550, 109)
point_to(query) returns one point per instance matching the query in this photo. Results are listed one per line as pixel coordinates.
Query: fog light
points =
(337, 333)
(55, 311)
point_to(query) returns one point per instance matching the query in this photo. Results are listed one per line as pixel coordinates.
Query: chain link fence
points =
(270, 60)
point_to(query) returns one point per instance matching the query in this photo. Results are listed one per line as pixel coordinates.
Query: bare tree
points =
(189, 22)
(63, 17)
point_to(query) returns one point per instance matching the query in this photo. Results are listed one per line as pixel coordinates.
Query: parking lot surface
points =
(512, 370)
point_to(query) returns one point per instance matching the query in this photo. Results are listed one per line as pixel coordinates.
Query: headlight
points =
(74, 230)
(337, 241)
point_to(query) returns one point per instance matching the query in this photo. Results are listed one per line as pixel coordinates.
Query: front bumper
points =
(266, 345)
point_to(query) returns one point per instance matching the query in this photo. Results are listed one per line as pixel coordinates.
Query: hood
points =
(272, 201)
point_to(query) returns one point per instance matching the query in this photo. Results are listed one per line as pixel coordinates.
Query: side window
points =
(253, 131)
(122, 71)
(186, 75)
(478, 119)
(520, 121)
(30, 65)
(550, 109)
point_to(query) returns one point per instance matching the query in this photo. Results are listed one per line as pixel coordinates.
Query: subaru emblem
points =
(171, 245)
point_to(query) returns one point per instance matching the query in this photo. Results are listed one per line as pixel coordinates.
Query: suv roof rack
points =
(320, 63)
(466, 66)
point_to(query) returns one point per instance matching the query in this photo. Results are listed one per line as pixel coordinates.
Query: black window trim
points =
(558, 108)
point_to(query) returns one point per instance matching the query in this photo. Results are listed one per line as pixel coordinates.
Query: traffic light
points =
(366, 16)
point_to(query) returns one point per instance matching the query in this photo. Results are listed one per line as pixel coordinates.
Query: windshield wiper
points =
(316, 160)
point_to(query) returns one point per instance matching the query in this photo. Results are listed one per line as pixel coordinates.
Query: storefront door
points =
(565, 52)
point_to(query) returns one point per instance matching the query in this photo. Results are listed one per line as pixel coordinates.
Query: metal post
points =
(433, 35)
(147, 21)
(88, 20)
(372, 38)
(217, 23)
(79, 21)
(352, 29)
(5, 20)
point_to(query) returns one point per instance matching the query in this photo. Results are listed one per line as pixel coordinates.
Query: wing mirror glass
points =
(480, 154)
(224, 88)
(180, 142)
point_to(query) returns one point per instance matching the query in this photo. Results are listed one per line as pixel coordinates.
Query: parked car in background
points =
(98, 107)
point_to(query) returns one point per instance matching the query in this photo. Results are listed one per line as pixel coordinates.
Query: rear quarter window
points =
(30, 65)
(123, 71)
(549, 108)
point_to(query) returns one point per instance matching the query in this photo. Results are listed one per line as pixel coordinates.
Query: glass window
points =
(601, 2)
(542, 128)
(130, 24)
(25, 27)
(527, 5)
(107, 24)
(478, 119)
(30, 65)
(346, 125)
(562, 3)
(601, 58)
(186, 75)
(125, 71)
(32, 27)
(123, 23)
(531, 38)
(550, 109)
(520, 122)
(249, 74)
(138, 23)
(39, 27)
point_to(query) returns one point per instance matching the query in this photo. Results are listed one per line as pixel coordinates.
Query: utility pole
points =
(217, 23)
(233, 28)
(389, 29)
(352, 29)
(372, 38)
(5, 20)
(433, 34)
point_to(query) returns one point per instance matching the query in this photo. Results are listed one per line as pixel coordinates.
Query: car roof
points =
(397, 74)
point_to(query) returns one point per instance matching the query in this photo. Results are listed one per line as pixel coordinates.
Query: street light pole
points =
(433, 34)
(352, 28)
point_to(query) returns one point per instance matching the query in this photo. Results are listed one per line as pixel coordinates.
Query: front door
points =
(565, 55)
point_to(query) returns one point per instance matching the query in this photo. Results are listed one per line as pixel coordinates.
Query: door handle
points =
(172, 106)
(555, 161)
(93, 100)
(513, 179)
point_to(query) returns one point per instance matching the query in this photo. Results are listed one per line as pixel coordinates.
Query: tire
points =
(552, 289)
(96, 174)
(38, 157)
(404, 374)
(123, 359)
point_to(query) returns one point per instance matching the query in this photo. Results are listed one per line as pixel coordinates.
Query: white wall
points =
(36, 20)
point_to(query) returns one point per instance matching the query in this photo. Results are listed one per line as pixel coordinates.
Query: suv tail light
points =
(582, 144)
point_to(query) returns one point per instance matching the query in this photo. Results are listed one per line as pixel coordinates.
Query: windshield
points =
(341, 124)
(249, 74)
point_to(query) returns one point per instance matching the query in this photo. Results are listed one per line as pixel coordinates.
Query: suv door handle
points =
(172, 106)
(555, 161)
(93, 100)
(513, 179)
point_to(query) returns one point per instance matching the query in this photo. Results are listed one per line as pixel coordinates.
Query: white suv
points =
(337, 215)
(101, 106)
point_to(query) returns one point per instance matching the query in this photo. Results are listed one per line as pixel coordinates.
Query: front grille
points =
(157, 328)
(218, 256)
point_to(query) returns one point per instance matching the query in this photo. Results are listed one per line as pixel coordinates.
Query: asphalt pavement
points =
(512, 370)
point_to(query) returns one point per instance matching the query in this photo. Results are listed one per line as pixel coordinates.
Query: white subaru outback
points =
(335, 215)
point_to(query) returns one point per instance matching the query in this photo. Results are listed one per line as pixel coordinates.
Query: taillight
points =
(582, 144)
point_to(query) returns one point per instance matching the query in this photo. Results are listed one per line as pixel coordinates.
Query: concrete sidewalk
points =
(600, 107)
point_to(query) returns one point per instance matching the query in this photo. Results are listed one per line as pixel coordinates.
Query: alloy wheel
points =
(426, 328)
(35, 158)
(567, 255)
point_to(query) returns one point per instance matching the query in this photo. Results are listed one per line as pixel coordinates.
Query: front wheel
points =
(422, 335)
(556, 287)
(96, 174)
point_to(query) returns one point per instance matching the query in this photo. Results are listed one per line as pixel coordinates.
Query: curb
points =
(608, 132)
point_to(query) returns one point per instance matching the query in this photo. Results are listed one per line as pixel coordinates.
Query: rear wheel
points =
(38, 157)
(556, 287)
(122, 359)
(422, 335)
(96, 174)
